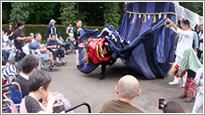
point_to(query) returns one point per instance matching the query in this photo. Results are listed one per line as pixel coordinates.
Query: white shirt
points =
(184, 42)
(24, 76)
(26, 49)
(199, 78)
(201, 36)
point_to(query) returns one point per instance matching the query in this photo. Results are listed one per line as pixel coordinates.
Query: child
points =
(189, 61)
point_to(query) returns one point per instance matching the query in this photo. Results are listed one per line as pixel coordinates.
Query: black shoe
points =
(183, 96)
(51, 67)
(102, 77)
(188, 100)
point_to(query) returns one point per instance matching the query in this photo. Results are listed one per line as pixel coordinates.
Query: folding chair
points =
(16, 95)
(79, 105)
(11, 106)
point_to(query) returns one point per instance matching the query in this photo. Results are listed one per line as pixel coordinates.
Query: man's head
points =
(38, 37)
(201, 28)
(128, 87)
(31, 35)
(79, 23)
(173, 107)
(39, 81)
(30, 63)
(185, 25)
(53, 37)
(20, 25)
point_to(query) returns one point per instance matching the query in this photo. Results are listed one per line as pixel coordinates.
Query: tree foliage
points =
(41, 12)
(112, 13)
(196, 7)
(68, 13)
(91, 13)
(19, 12)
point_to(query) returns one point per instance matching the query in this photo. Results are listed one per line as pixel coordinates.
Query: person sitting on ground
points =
(127, 90)
(36, 46)
(9, 72)
(173, 107)
(32, 36)
(5, 53)
(25, 48)
(40, 99)
(68, 30)
(54, 47)
(39, 85)
(29, 64)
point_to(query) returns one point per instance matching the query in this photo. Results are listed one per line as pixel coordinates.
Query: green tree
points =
(6, 9)
(112, 13)
(196, 7)
(68, 13)
(42, 12)
(19, 12)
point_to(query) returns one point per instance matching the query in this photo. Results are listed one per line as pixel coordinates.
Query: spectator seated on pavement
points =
(173, 107)
(56, 53)
(36, 46)
(39, 85)
(29, 64)
(127, 90)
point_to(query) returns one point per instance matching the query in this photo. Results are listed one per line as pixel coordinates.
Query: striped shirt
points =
(9, 71)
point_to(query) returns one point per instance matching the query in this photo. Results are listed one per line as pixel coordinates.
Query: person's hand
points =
(170, 23)
(96, 29)
(51, 98)
(79, 29)
(61, 38)
(194, 93)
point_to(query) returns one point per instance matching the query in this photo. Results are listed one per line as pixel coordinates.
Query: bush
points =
(42, 29)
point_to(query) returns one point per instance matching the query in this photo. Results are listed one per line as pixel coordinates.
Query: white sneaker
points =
(183, 85)
(174, 83)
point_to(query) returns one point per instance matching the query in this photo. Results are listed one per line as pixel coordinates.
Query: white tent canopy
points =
(184, 13)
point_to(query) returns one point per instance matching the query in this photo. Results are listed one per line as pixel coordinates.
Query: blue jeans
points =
(5, 55)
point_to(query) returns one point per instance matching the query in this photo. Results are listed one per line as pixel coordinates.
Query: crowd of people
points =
(26, 69)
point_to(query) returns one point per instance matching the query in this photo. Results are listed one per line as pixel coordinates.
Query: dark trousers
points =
(5, 55)
(199, 53)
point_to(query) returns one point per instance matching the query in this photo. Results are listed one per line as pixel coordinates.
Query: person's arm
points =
(53, 46)
(49, 102)
(196, 42)
(178, 30)
(20, 38)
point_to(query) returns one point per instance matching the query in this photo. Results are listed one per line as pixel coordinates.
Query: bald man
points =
(127, 90)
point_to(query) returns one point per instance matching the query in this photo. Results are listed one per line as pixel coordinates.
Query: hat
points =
(52, 20)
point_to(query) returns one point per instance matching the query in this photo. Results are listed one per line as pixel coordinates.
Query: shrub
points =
(42, 29)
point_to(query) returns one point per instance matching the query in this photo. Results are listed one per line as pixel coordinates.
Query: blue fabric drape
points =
(146, 47)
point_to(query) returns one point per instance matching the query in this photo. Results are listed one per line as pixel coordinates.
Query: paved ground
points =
(79, 87)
